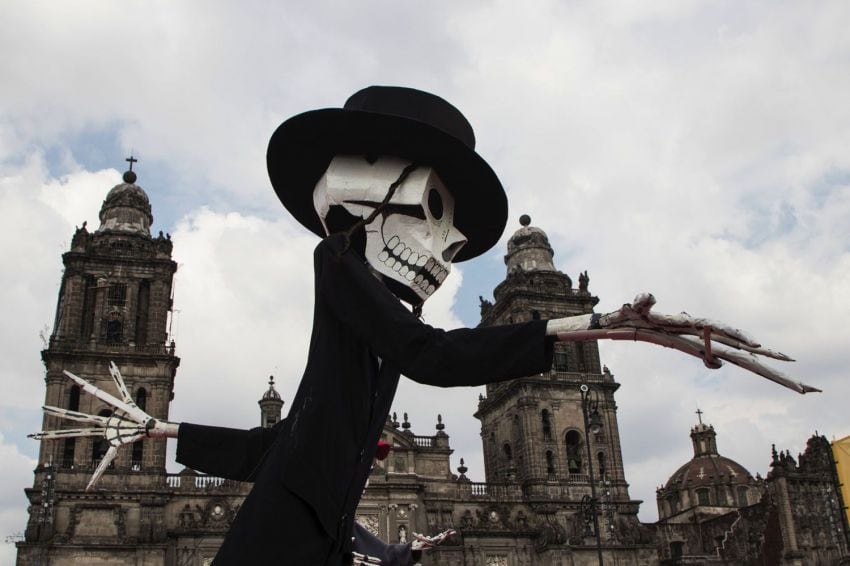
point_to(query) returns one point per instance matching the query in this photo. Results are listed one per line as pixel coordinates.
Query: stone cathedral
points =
(555, 491)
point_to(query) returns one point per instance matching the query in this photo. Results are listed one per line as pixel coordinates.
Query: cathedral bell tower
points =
(533, 429)
(271, 406)
(114, 305)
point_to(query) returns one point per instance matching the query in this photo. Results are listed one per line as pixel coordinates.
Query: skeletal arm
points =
(711, 341)
(127, 423)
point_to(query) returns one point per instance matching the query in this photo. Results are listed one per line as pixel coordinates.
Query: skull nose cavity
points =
(450, 252)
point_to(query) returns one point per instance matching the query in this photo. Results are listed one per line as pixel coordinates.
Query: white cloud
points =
(13, 503)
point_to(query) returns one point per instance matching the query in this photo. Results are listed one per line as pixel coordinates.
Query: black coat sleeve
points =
(466, 356)
(390, 554)
(225, 452)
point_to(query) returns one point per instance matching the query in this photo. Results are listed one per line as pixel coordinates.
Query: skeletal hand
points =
(421, 542)
(127, 423)
(706, 339)
(358, 559)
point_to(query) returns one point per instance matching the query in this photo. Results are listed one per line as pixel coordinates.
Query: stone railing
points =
(425, 441)
(492, 490)
(66, 344)
(200, 482)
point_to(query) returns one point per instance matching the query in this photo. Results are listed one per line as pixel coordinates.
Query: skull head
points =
(412, 241)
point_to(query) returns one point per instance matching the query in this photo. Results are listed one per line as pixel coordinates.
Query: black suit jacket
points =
(237, 455)
(323, 452)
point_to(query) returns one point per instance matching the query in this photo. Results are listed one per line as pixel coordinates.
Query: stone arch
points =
(546, 424)
(574, 444)
(141, 398)
(74, 398)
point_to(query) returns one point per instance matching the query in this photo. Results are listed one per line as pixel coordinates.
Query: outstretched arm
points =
(369, 549)
(228, 453)
(711, 341)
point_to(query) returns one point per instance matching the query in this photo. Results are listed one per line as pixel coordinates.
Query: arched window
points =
(704, 496)
(550, 463)
(561, 362)
(600, 458)
(673, 503)
(508, 468)
(547, 426)
(74, 398)
(742, 496)
(68, 450)
(580, 356)
(677, 549)
(99, 446)
(573, 444)
(138, 454)
(141, 398)
(142, 307)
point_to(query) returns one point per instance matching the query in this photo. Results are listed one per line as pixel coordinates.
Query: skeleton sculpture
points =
(412, 242)
(409, 238)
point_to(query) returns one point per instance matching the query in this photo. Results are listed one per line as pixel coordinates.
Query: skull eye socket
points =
(435, 204)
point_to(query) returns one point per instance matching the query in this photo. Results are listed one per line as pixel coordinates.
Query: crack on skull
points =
(420, 270)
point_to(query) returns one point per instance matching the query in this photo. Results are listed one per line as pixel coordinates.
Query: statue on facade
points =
(392, 184)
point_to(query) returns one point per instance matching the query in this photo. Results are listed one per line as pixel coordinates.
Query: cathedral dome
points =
(126, 208)
(708, 484)
(271, 393)
(704, 471)
(529, 249)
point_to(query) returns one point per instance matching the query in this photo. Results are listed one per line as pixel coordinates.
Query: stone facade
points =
(542, 468)
(114, 305)
(794, 517)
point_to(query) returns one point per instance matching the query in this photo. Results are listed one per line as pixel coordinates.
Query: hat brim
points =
(302, 147)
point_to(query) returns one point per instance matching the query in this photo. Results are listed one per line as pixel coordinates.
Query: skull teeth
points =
(424, 273)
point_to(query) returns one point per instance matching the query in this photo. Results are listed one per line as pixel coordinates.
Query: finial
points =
(271, 381)
(395, 420)
(699, 415)
(129, 176)
(406, 424)
(525, 220)
(462, 468)
(440, 425)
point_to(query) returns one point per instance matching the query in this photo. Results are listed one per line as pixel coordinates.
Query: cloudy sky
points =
(698, 150)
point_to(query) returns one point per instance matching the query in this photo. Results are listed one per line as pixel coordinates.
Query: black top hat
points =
(386, 120)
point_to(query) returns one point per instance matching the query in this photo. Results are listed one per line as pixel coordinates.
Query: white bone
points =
(136, 413)
(107, 459)
(66, 433)
(75, 416)
(421, 542)
(703, 338)
(119, 384)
